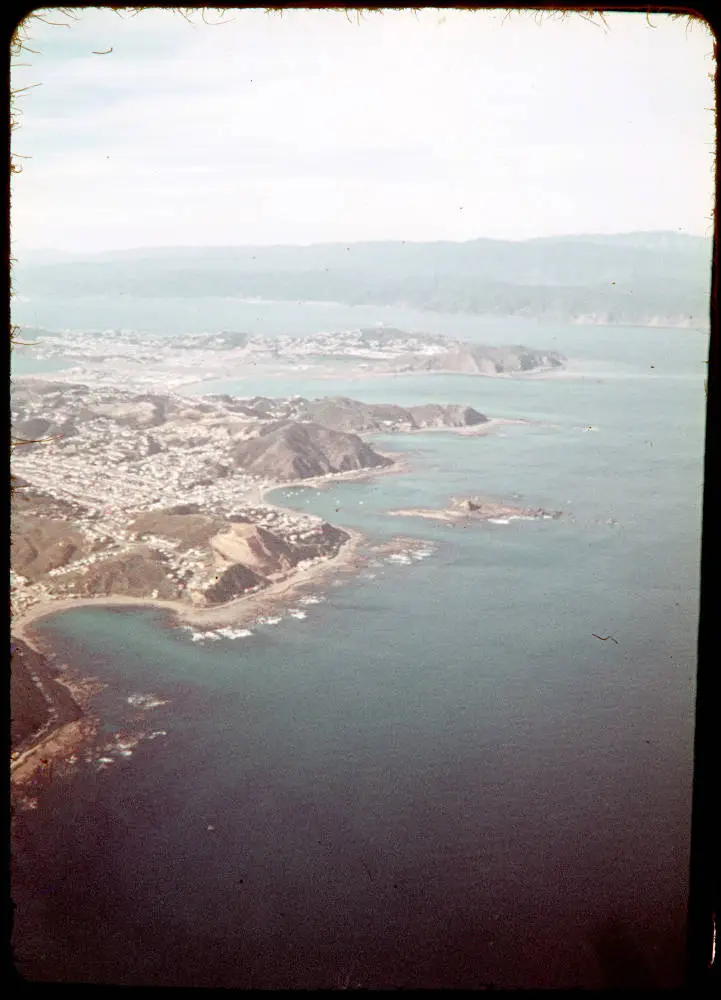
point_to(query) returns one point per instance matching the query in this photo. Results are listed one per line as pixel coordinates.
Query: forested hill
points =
(635, 278)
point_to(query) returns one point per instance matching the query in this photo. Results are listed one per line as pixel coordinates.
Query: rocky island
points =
(470, 509)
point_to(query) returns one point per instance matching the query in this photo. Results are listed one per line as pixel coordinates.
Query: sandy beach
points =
(58, 742)
(234, 612)
(243, 608)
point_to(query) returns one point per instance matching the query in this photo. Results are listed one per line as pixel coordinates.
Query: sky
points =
(246, 127)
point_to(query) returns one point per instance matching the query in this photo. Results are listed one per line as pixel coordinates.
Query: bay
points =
(440, 777)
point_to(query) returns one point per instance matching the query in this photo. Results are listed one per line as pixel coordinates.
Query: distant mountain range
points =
(634, 278)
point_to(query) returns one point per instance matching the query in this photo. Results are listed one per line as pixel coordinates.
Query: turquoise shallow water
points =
(439, 777)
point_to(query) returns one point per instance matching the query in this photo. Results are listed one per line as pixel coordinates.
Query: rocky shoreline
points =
(221, 562)
(69, 722)
(50, 718)
(53, 715)
(476, 509)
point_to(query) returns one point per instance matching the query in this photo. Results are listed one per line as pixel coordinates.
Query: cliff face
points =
(233, 582)
(255, 547)
(287, 450)
(37, 700)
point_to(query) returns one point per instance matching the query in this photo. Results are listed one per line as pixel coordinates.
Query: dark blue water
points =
(440, 777)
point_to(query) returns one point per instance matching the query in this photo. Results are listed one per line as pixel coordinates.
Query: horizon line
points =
(363, 242)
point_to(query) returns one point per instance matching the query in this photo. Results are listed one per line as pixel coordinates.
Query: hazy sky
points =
(310, 127)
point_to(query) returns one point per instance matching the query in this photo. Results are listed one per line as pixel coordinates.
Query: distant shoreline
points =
(186, 388)
(651, 322)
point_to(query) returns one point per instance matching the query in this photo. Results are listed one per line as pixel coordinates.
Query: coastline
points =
(400, 465)
(64, 739)
(472, 430)
(62, 742)
(235, 611)
(232, 612)
(238, 610)
(68, 726)
(328, 374)
(494, 514)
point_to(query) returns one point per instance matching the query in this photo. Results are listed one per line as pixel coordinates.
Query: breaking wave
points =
(145, 701)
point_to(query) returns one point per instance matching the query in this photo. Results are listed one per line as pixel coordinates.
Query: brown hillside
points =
(40, 544)
(290, 450)
(136, 574)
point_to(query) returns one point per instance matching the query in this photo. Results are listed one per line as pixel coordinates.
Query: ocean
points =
(439, 777)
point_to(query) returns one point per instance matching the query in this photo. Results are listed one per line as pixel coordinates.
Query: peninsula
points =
(161, 497)
(157, 499)
(131, 359)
